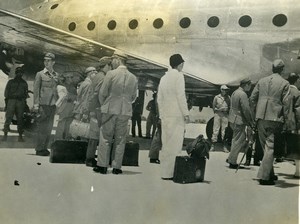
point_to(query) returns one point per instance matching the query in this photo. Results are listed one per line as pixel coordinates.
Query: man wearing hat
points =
(240, 120)
(81, 109)
(117, 93)
(171, 94)
(15, 93)
(221, 104)
(94, 108)
(271, 101)
(45, 97)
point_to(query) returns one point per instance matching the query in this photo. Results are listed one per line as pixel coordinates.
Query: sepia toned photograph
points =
(143, 112)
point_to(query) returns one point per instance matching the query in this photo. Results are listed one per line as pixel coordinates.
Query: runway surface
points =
(32, 190)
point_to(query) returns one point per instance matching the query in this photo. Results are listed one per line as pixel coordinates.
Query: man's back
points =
(118, 91)
(270, 97)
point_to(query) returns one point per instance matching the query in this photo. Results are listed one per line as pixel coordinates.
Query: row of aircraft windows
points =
(244, 21)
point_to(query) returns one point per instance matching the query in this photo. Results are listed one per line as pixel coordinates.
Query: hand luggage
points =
(64, 151)
(79, 129)
(131, 154)
(189, 169)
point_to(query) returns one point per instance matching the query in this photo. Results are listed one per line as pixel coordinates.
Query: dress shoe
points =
(167, 178)
(274, 178)
(256, 163)
(91, 162)
(117, 171)
(42, 153)
(157, 161)
(247, 163)
(266, 182)
(233, 166)
(100, 169)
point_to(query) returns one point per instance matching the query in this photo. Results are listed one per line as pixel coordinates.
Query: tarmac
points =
(33, 190)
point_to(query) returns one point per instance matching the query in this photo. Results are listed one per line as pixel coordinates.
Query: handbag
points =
(199, 148)
(78, 128)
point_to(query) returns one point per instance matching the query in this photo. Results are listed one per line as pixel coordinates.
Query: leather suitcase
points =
(188, 169)
(64, 151)
(131, 154)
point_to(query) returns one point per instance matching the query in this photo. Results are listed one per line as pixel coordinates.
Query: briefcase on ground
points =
(188, 169)
(131, 154)
(63, 151)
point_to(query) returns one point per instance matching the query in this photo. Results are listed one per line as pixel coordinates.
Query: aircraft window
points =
(185, 22)
(133, 24)
(213, 21)
(40, 7)
(91, 26)
(245, 21)
(158, 23)
(72, 26)
(112, 24)
(54, 6)
(279, 20)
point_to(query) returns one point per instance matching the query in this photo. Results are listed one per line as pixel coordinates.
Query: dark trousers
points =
(45, 125)
(136, 120)
(15, 107)
(156, 144)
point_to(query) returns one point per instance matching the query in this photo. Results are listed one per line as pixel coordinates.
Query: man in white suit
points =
(173, 111)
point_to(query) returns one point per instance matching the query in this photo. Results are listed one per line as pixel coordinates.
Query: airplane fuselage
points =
(221, 42)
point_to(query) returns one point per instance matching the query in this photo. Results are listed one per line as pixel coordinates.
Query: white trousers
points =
(172, 140)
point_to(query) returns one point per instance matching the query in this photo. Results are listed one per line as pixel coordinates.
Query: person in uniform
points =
(15, 93)
(151, 119)
(294, 116)
(137, 109)
(240, 120)
(271, 100)
(117, 93)
(94, 106)
(221, 104)
(171, 94)
(45, 97)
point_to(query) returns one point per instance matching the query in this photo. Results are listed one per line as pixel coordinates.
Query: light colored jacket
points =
(44, 90)
(171, 97)
(240, 112)
(118, 92)
(271, 98)
(221, 105)
(84, 91)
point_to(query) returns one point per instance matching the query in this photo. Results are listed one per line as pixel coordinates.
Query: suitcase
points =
(188, 169)
(131, 154)
(64, 151)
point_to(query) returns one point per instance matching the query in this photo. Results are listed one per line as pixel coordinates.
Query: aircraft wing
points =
(31, 39)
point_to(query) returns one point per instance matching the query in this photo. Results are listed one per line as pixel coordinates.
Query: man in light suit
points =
(171, 94)
(271, 101)
(117, 93)
(240, 118)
